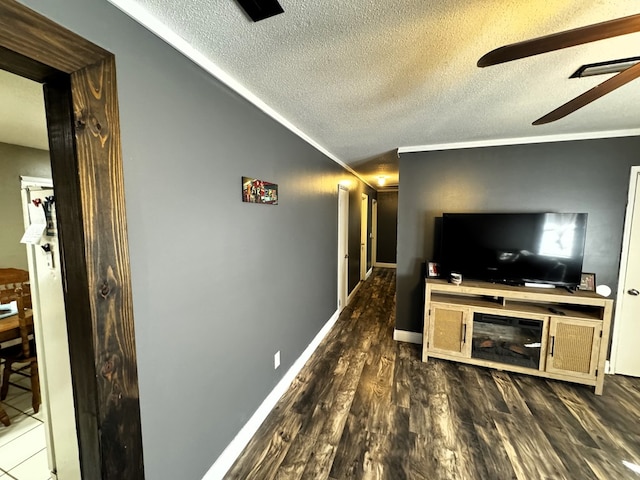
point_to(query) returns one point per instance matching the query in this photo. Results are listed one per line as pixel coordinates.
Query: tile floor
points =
(23, 453)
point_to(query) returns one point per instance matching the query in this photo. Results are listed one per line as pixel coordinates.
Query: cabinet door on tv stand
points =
(449, 330)
(574, 346)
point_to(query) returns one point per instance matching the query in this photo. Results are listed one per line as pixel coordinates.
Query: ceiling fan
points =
(570, 38)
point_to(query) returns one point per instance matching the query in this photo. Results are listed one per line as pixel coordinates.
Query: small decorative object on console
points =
(587, 282)
(456, 278)
(433, 269)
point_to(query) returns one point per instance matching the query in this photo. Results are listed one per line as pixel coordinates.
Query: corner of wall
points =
(226, 459)
(407, 336)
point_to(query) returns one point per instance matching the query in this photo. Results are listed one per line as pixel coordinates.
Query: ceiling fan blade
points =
(589, 96)
(557, 41)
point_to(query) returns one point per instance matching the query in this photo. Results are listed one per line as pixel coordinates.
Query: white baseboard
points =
(407, 336)
(234, 449)
(353, 293)
(368, 274)
(385, 265)
(608, 368)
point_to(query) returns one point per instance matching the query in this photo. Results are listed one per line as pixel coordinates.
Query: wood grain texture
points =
(86, 161)
(559, 40)
(58, 101)
(102, 186)
(567, 437)
(30, 34)
(531, 454)
(371, 409)
(618, 442)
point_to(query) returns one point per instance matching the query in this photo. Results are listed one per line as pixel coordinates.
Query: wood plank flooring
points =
(366, 407)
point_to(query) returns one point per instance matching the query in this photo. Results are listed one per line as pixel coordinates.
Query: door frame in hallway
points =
(374, 231)
(624, 359)
(343, 247)
(364, 212)
(83, 124)
(51, 339)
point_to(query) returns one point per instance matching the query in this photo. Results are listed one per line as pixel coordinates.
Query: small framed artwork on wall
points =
(587, 282)
(255, 190)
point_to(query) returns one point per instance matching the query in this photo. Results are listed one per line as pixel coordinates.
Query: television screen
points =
(516, 248)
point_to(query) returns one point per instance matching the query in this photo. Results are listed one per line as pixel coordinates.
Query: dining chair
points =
(7, 296)
(17, 358)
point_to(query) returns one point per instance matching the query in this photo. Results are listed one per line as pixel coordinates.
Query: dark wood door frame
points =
(79, 81)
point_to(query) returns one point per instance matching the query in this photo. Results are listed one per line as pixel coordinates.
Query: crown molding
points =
(569, 137)
(161, 30)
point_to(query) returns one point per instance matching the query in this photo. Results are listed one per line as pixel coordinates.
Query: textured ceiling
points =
(361, 78)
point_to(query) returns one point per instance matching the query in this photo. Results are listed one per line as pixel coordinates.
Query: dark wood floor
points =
(365, 406)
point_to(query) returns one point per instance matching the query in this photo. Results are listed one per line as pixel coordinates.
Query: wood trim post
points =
(84, 137)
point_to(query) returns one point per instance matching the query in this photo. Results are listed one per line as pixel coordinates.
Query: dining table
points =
(10, 324)
(10, 332)
(10, 327)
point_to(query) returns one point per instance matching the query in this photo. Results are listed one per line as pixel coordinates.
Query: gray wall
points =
(589, 176)
(16, 161)
(387, 226)
(218, 285)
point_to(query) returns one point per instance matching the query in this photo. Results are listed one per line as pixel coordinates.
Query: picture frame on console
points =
(587, 282)
(433, 269)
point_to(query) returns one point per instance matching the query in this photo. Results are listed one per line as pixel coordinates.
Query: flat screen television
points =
(515, 248)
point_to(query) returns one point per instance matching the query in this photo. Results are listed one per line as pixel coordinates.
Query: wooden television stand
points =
(545, 332)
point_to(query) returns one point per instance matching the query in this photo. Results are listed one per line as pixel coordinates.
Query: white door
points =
(51, 338)
(363, 236)
(343, 247)
(374, 231)
(626, 335)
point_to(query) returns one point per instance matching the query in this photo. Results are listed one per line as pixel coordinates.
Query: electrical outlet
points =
(276, 360)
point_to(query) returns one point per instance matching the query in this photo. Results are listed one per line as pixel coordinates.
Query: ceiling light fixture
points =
(382, 180)
(602, 68)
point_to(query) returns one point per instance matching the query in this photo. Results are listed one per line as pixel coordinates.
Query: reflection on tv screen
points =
(515, 247)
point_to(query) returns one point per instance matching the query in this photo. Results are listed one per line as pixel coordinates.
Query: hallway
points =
(366, 406)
